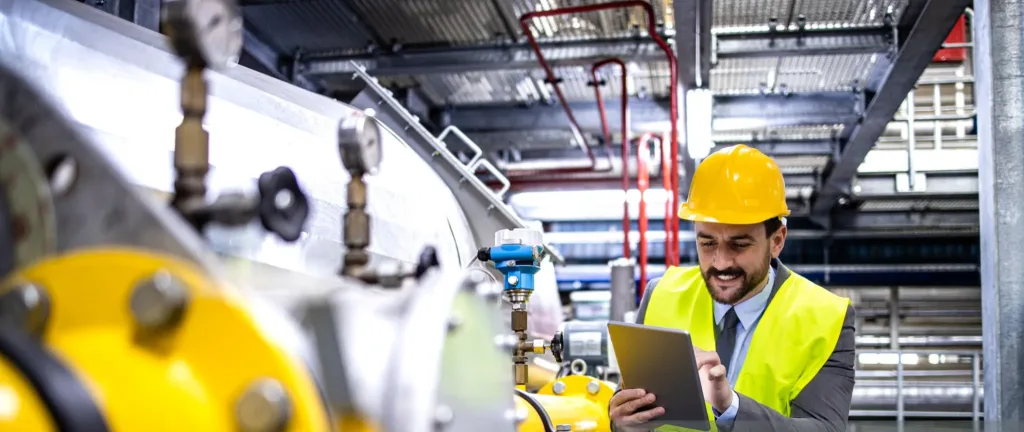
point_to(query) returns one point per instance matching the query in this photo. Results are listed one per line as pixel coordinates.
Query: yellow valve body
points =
(188, 378)
(575, 406)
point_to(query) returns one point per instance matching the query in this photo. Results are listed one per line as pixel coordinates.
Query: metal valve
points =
(283, 207)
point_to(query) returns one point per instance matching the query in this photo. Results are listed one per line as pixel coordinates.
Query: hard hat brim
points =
(727, 217)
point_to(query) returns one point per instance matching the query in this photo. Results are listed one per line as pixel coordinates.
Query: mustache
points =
(731, 271)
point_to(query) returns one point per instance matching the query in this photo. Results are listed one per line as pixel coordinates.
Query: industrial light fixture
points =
(699, 103)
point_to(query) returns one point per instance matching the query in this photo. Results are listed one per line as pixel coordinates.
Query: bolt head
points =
(264, 407)
(158, 302)
(558, 387)
(26, 306)
(593, 387)
(513, 280)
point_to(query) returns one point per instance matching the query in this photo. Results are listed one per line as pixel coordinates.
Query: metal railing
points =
(900, 374)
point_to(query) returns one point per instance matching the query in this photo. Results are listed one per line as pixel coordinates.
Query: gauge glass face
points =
(371, 144)
(218, 29)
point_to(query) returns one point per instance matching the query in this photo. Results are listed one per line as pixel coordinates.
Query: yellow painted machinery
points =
(115, 315)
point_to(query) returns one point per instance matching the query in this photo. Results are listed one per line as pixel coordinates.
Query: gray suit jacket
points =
(823, 405)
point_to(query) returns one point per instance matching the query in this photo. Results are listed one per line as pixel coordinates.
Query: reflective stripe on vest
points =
(794, 338)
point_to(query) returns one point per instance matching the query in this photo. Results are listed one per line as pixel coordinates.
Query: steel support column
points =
(898, 76)
(999, 85)
(766, 111)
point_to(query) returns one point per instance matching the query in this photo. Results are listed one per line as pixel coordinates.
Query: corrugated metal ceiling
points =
(319, 26)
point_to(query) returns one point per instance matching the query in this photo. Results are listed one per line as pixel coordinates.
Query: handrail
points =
(477, 152)
(977, 386)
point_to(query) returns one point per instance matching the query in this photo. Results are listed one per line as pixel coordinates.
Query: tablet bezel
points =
(661, 361)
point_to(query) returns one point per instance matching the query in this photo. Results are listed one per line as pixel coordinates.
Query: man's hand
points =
(713, 379)
(624, 406)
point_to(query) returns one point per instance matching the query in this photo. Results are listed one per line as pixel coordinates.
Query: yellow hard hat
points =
(737, 185)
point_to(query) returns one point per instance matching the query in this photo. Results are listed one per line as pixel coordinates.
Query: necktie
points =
(726, 342)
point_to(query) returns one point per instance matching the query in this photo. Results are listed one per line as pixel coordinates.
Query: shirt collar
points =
(750, 309)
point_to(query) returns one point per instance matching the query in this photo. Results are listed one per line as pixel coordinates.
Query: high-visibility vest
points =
(796, 335)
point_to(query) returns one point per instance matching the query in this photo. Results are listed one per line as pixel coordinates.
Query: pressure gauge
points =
(206, 32)
(359, 143)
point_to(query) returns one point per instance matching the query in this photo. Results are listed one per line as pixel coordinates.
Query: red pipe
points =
(652, 30)
(666, 181)
(625, 138)
(642, 182)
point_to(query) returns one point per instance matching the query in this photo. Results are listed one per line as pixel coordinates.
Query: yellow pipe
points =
(577, 404)
(189, 377)
(20, 408)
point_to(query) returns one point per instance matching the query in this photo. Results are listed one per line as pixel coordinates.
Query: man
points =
(774, 351)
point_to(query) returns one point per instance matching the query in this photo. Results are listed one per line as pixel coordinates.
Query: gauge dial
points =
(359, 142)
(211, 29)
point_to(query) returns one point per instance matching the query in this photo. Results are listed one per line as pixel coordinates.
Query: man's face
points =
(734, 259)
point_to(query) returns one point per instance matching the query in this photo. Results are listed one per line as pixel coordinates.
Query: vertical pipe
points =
(899, 390)
(894, 344)
(975, 387)
(937, 109)
(666, 182)
(999, 74)
(624, 107)
(642, 182)
(894, 318)
(623, 288)
(911, 138)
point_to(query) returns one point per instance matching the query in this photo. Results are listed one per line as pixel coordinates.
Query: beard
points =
(750, 281)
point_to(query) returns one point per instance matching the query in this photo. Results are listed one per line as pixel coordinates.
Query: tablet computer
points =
(661, 361)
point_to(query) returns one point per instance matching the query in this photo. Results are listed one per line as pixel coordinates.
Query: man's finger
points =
(707, 359)
(645, 416)
(717, 373)
(627, 408)
(636, 404)
(626, 396)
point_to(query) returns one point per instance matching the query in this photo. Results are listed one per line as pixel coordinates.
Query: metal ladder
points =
(484, 208)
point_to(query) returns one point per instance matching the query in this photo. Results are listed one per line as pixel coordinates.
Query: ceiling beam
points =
(861, 220)
(901, 72)
(931, 186)
(591, 181)
(730, 113)
(270, 61)
(769, 147)
(807, 43)
(434, 59)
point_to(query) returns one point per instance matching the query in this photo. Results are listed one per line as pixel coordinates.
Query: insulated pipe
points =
(642, 181)
(608, 138)
(652, 30)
